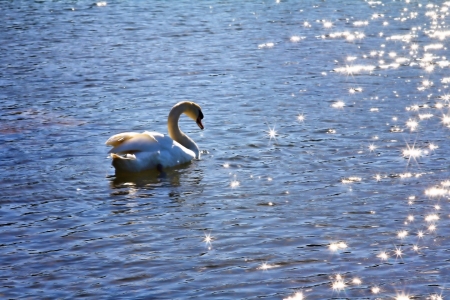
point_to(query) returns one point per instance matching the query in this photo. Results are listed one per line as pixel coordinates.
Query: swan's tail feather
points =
(126, 156)
(115, 156)
(126, 162)
(135, 162)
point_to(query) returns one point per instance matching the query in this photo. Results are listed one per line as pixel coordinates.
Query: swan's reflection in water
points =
(133, 192)
(141, 179)
(153, 178)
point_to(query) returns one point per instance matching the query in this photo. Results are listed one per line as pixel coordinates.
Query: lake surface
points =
(324, 171)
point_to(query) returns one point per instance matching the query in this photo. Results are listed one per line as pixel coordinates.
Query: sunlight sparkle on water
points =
(412, 124)
(436, 192)
(446, 98)
(412, 152)
(445, 183)
(360, 23)
(402, 296)
(425, 116)
(405, 175)
(266, 45)
(355, 90)
(207, 240)
(398, 252)
(327, 24)
(432, 228)
(334, 247)
(234, 184)
(375, 290)
(350, 70)
(272, 133)
(338, 284)
(351, 179)
(300, 118)
(427, 83)
(383, 255)
(338, 104)
(266, 266)
(446, 120)
(296, 296)
(431, 218)
(295, 39)
(402, 234)
(433, 146)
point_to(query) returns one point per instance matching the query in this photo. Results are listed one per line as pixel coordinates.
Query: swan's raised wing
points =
(130, 142)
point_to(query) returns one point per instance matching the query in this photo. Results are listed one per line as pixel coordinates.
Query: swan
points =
(135, 152)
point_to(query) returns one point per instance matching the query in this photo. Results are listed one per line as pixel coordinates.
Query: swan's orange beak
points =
(199, 123)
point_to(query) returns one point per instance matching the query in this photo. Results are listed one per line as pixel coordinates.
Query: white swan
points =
(135, 152)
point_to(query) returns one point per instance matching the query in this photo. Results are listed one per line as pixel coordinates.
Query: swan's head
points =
(194, 111)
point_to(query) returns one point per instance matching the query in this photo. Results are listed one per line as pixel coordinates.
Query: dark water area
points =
(324, 170)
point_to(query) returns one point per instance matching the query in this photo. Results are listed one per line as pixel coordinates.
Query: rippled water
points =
(324, 171)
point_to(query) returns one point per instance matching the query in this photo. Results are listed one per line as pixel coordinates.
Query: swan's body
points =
(135, 152)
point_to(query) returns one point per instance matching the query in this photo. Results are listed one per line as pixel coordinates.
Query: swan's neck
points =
(176, 134)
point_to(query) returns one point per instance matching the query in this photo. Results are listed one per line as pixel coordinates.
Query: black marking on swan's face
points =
(199, 119)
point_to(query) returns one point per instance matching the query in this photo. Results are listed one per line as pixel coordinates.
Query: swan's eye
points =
(200, 114)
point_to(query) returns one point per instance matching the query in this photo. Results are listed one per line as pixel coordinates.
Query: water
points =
(324, 171)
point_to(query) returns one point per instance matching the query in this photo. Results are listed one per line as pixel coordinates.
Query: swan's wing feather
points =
(132, 142)
(171, 153)
(118, 139)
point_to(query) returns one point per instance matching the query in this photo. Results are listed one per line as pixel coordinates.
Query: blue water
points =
(324, 170)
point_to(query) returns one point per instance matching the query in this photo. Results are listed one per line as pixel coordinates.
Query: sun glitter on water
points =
(339, 283)
(383, 256)
(412, 124)
(402, 234)
(265, 266)
(208, 240)
(398, 252)
(338, 104)
(272, 133)
(402, 296)
(327, 24)
(234, 183)
(412, 152)
(334, 247)
(296, 296)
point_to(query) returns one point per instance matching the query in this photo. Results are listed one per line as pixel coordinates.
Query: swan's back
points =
(129, 142)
